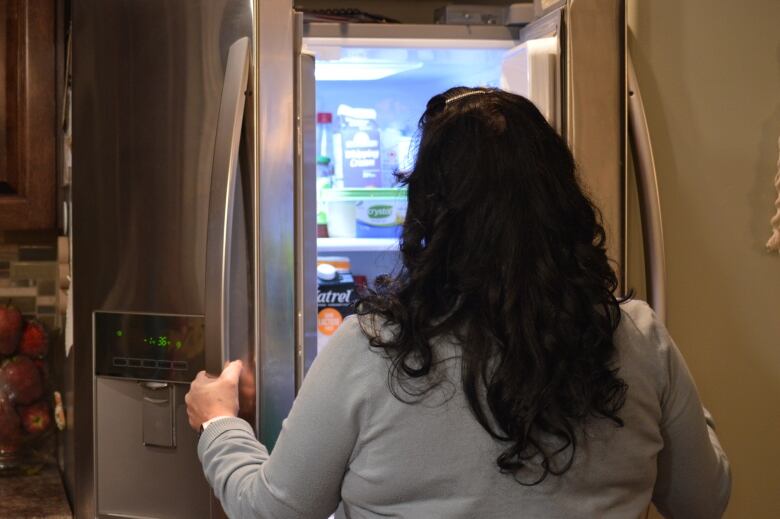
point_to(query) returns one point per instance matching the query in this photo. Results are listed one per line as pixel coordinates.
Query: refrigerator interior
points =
(399, 99)
(396, 82)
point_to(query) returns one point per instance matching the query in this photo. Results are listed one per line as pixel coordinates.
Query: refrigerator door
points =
(274, 215)
(148, 79)
(575, 55)
(595, 111)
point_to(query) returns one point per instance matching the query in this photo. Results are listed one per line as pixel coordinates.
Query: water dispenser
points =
(145, 454)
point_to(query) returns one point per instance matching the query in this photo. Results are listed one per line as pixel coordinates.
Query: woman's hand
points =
(210, 396)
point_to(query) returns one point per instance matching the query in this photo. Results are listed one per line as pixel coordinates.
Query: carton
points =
(335, 302)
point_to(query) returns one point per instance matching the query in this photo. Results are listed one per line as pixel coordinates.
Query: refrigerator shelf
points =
(357, 244)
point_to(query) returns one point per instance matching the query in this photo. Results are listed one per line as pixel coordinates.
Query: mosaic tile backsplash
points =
(28, 280)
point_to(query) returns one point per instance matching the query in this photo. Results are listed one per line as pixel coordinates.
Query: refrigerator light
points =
(360, 71)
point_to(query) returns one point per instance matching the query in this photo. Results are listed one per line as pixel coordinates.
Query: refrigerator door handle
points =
(221, 203)
(649, 201)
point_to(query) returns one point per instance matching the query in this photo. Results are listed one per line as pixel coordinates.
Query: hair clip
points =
(465, 94)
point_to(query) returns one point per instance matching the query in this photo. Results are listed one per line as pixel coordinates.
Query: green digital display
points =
(163, 342)
(149, 346)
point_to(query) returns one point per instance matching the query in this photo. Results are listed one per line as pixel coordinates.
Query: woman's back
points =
(432, 459)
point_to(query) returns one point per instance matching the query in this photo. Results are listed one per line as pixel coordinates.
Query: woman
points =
(496, 375)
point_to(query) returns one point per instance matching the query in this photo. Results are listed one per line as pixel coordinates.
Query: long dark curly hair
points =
(503, 253)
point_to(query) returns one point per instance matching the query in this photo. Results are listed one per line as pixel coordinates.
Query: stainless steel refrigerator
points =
(195, 200)
(183, 238)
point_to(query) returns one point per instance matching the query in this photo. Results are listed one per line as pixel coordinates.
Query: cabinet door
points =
(27, 114)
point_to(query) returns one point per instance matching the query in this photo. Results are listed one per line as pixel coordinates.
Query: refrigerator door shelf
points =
(530, 70)
(533, 68)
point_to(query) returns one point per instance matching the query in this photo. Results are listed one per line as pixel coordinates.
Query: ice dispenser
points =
(146, 463)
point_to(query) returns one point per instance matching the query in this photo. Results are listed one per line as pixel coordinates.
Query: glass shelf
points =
(357, 244)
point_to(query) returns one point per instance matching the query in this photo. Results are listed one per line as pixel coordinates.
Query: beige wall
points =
(710, 77)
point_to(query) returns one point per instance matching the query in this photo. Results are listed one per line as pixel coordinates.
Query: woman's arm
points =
(302, 476)
(694, 480)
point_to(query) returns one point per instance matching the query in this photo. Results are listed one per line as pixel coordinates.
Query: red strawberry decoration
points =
(35, 340)
(36, 418)
(25, 412)
(10, 329)
(21, 380)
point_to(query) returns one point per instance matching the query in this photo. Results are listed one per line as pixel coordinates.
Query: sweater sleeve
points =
(694, 479)
(302, 476)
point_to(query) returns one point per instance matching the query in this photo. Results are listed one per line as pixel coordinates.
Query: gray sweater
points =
(348, 443)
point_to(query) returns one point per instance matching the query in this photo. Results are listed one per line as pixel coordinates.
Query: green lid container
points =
(365, 212)
(363, 193)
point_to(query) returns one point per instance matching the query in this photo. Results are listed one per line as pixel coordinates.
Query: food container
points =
(335, 300)
(365, 212)
(340, 263)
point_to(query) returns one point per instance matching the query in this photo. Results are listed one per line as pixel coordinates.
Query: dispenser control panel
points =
(143, 346)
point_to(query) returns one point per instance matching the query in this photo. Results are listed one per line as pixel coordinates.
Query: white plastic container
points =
(365, 212)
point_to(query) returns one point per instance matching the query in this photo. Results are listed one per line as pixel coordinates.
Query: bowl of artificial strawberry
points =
(26, 418)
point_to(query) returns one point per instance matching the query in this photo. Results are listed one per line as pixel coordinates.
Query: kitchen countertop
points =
(40, 496)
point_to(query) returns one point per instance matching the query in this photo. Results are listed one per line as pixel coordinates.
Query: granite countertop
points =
(40, 496)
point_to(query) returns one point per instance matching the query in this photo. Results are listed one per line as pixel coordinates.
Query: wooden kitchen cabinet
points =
(27, 114)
